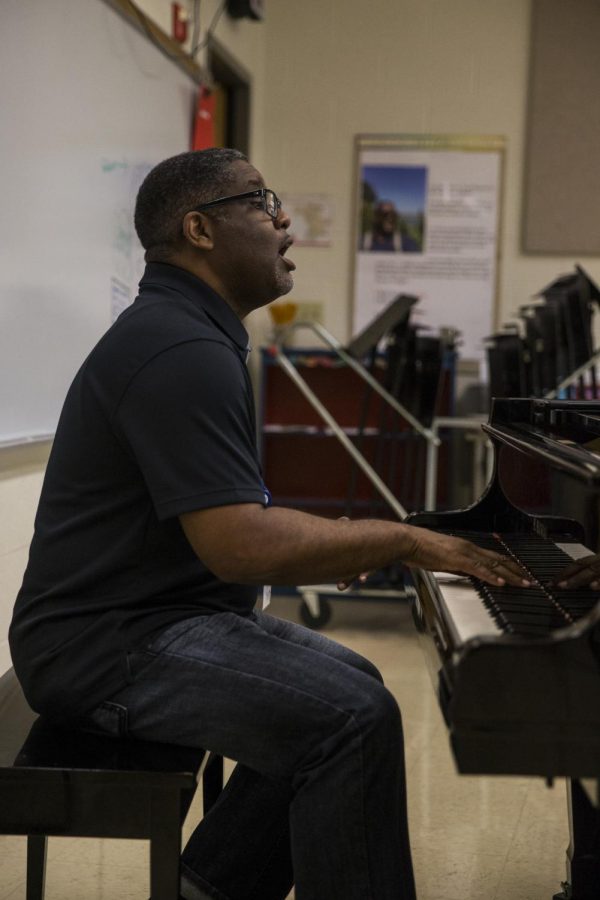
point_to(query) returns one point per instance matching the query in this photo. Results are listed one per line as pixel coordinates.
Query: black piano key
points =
(520, 618)
(546, 617)
(510, 606)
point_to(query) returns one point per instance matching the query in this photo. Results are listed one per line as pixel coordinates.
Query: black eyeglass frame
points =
(247, 195)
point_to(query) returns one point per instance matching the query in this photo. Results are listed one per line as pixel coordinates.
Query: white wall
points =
(323, 71)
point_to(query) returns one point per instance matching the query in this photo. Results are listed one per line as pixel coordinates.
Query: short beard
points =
(284, 283)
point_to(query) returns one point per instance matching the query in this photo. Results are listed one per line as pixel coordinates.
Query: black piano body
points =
(517, 672)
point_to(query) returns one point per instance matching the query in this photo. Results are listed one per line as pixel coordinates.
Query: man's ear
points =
(198, 230)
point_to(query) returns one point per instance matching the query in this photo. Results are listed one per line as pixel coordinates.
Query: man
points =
(154, 529)
(385, 235)
(389, 232)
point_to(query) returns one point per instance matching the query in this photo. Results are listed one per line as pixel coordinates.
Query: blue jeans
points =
(318, 795)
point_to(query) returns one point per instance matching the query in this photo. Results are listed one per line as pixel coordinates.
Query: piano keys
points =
(473, 608)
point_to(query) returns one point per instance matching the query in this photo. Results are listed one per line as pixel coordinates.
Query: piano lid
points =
(563, 433)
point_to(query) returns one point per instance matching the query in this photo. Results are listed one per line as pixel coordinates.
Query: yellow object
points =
(283, 313)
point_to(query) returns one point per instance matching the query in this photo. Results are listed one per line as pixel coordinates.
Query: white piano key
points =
(466, 615)
(575, 551)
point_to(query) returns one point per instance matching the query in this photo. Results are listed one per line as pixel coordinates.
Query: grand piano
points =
(517, 672)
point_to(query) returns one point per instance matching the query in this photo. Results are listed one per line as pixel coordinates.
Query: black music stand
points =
(395, 314)
(506, 364)
(393, 320)
(588, 284)
(573, 295)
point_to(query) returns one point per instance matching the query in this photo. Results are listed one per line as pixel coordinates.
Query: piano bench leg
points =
(36, 866)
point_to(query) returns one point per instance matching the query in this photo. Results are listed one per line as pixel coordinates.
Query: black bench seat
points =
(56, 781)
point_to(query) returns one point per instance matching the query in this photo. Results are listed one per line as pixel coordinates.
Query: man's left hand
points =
(584, 572)
(348, 582)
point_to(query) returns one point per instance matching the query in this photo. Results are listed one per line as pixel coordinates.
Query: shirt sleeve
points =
(187, 418)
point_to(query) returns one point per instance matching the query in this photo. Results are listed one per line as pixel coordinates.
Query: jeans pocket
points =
(135, 663)
(108, 718)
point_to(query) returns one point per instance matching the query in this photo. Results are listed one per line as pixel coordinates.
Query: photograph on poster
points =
(427, 224)
(393, 208)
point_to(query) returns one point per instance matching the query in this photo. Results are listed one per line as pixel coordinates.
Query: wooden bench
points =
(54, 781)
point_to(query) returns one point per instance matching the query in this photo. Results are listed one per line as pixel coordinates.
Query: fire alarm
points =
(246, 9)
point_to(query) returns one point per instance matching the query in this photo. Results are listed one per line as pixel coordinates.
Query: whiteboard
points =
(87, 106)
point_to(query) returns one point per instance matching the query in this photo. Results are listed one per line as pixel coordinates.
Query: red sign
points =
(204, 130)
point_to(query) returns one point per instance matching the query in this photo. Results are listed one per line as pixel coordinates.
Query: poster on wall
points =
(427, 223)
(312, 218)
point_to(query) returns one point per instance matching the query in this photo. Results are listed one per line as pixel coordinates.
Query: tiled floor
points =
(472, 838)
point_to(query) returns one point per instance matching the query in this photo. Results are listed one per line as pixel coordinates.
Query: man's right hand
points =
(443, 553)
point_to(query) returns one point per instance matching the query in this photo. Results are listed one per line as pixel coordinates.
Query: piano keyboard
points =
(478, 609)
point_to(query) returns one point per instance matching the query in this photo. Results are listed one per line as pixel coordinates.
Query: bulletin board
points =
(427, 223)
(561, 185)
(89, 105)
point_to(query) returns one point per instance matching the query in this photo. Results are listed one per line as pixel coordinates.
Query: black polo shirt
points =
(158, 421)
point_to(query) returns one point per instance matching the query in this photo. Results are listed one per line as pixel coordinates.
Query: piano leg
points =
(583, 854)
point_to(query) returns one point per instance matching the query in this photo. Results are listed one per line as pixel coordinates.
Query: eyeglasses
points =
(269, 201)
